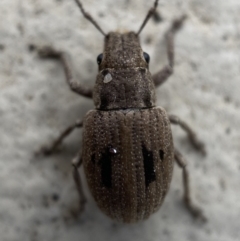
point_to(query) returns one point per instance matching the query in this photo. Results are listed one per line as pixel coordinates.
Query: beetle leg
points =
(195, 211)
(49, 52)
(161, 76)
(76, 163)
(48, 150)
(199, 145)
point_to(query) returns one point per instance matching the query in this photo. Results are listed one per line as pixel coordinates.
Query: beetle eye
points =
(99, 58)
(146, 57)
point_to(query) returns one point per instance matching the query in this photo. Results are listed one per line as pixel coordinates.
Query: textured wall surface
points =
(38, 199)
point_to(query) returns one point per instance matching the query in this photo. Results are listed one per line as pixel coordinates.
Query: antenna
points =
(150, 13)
(89, 17)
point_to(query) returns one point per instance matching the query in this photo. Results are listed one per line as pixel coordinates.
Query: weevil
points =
(127, 149)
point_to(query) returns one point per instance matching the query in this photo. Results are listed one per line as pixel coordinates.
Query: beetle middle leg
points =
(199, 145)
(195, 211)
(161, 76)
(47, 150)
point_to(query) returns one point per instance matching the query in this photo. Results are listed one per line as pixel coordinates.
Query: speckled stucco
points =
(38, 196)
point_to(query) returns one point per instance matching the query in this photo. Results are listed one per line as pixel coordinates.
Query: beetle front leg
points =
(199, 145)
(161, 76)
(194, 210)
(76, 163)
(49, 52)
(48, 150)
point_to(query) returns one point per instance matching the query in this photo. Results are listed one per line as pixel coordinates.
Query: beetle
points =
(127, 149)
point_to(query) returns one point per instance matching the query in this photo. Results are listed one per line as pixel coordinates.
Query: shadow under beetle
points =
(127, 150)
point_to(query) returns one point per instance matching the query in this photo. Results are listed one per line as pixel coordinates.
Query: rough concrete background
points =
(37, 196)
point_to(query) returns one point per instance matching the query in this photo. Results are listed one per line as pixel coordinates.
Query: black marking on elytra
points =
(106, 169)
(161, 155)
(93, 158)
(150, 175)
(106, 165)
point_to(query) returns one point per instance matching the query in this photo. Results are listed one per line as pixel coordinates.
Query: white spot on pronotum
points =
(107, 78)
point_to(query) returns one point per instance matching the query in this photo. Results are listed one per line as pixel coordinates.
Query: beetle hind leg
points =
(76, 163)
(76, 209)
(194, 210)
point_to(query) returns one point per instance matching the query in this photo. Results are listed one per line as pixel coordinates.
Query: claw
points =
(199, 145)
(196, 212)
(44, 151)
(177, 23)
(48, 52)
